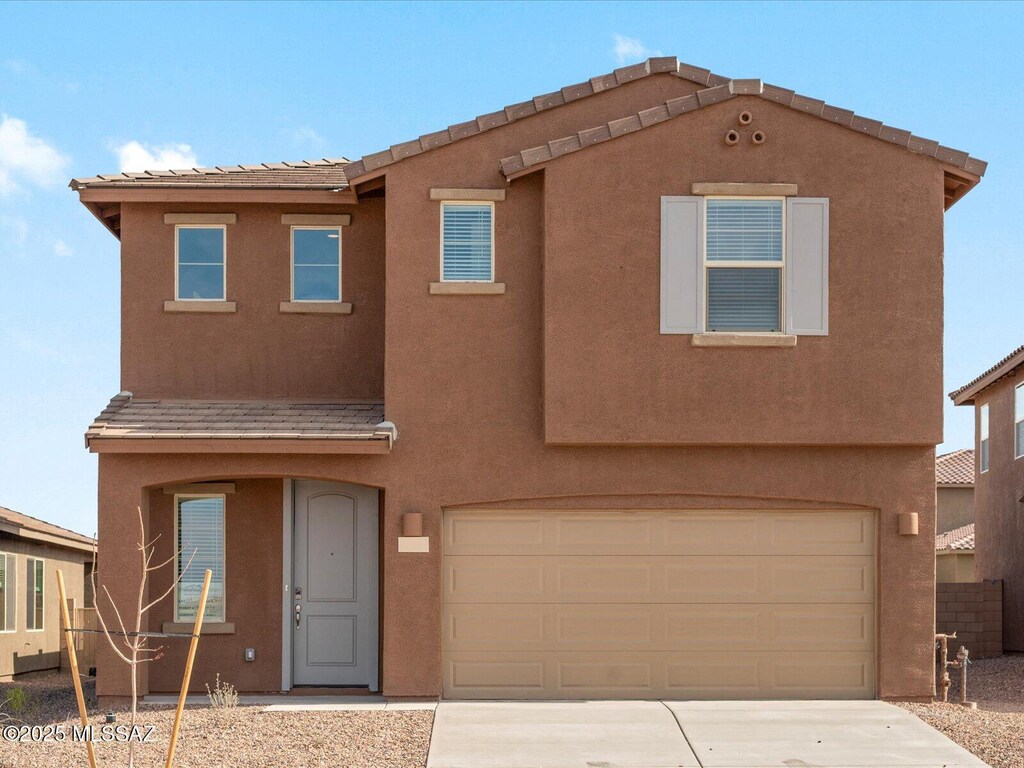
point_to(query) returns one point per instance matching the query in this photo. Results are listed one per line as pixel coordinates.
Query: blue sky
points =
(85, 88)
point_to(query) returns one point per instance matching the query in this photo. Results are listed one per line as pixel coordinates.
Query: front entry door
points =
(334, 585)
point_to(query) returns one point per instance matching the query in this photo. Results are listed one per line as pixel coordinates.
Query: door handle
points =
(298, 616)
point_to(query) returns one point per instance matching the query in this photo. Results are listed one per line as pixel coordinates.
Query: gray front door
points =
(334, 585)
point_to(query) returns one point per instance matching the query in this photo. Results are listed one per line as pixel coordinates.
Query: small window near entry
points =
(316, 264)
(743, 259)
(983, 438)
(467, 242)
(199, 524)
(200, 259)
(1018, 421)
(8, 597)
(34, 595)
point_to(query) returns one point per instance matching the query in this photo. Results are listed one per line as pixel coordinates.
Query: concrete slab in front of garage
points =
(716, 734)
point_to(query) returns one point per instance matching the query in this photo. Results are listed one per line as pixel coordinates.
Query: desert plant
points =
(223, 695)
(17, 700)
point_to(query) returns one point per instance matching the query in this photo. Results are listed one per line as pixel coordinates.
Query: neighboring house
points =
(626, 391)
(954, 539)
(998, 399)
(31, 552)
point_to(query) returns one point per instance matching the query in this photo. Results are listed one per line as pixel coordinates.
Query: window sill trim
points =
(466, 289)
(200, 305)
(216, 628)
(316, 307)
(743, 340)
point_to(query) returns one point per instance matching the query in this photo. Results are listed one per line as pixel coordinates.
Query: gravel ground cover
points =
(244, 737)
(995, 731)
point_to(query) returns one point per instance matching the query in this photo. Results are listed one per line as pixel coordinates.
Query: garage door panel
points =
(656, 604)
(658, 579)
(658, 627)
(717, 675)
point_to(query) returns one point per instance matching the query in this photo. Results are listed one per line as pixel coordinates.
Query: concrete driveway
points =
(717, 734)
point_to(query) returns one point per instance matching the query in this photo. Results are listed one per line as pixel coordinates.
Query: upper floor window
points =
(983, 438)
(8, 598)
(199, 538)
(316, 264)
(1018, 421)
(467, 242)
(744, 259)
(200, 258)
(34, 593)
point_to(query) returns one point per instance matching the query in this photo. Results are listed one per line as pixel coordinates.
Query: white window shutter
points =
(807, 266)
(682, 268)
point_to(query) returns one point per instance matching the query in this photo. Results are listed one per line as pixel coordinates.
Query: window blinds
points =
(743, 299)
(744, 230)
(200, 531)
(466, 248)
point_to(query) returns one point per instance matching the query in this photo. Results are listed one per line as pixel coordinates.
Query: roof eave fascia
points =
(238, 445)
(122, 194)
(43, 538)
(955, 485)
(966, 395)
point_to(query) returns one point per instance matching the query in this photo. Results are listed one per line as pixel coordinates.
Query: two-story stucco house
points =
(630, 390)
(998, 399)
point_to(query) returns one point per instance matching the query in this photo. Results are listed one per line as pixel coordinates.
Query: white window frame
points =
(475, 204)
(224, 266)
(224, 555)
(42, 624)
(780, 265)
(10, 575)
(291, 237)
(1018, 417)
(984, 457)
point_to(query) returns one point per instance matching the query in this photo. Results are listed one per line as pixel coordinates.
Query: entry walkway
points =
(651, 734)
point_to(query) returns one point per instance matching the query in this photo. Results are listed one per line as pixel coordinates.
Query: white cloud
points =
(26, 158)
(62, 249)
(134, 156)
(308, 136)
(628, 50)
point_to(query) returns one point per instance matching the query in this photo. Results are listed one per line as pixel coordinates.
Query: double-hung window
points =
(983, 437)
(316, 264)
(200, 260)
(744, 262)
(467, 242)
(8, 596)
(199, 539)
(35, 603)
(1018, 421)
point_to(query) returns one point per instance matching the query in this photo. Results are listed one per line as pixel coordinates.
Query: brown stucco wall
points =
(974, 612)
(473, 382)
(954, 508)
(22, 651)
(257, 352)
(954, 566)
(999, 512)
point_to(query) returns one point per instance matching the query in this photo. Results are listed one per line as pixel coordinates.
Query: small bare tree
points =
(132, 647)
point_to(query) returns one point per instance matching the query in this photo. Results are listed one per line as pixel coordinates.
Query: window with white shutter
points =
(199, 523)
(467, 242)
(35, 602)
(983, 438)
(1018, 421)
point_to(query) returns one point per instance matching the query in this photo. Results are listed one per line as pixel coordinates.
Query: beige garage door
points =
(716, 605)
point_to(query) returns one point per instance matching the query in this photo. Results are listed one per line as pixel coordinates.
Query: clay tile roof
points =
(13, 522)
(1009, 364)
(961, 539)
(722, 91)
(129, 417)
(328, 173)
(955, 468)
(513, 112)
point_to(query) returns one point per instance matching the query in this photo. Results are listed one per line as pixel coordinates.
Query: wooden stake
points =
(188, 667)
(69, 638)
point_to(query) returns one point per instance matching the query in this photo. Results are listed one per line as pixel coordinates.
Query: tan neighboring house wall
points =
(954, 507)
(557, 397)
(23, 650)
